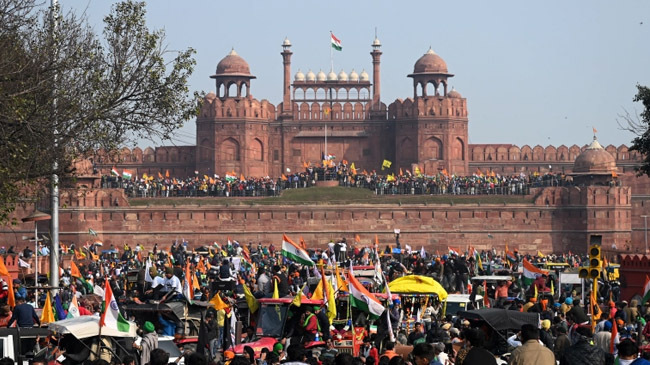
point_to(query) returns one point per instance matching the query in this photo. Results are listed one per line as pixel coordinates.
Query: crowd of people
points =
(224, 275)
(408, 183)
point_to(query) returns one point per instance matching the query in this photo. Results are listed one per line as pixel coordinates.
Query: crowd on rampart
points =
(407, 183)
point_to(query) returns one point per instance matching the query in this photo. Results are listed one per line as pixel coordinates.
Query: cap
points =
(149, 327)
(278, 347)
(465, 323)
(229, 354)
(568, 301)
(607, 325)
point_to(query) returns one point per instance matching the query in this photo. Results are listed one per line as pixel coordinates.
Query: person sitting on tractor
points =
(310, 325)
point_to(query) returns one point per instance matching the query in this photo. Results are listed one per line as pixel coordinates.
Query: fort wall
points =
(557, 220)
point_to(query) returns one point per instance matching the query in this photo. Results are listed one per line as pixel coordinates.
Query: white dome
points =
(286, 43)
(311, 76)
(331, 76)
(321, 76)
(364, 76)
(376, 42)
(300, 76)
(343, 76)
(354, 76)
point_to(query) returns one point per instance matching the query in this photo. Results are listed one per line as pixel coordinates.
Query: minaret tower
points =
(287, 104)
(376, 74)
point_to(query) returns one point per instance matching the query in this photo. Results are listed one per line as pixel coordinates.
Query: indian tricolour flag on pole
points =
(114, 171)
(453, 251)
(294, 252)
(531, 272)
(336, 43)
(362, 299)
(646, 290)
(112, 318)
(126, 174)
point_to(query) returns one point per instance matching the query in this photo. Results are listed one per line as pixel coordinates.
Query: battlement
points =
(431, 107)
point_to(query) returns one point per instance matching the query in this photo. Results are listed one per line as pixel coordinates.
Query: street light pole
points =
(645, 219)
(35, 217)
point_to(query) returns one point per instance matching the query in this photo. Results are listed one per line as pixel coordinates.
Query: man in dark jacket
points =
(583, 352)
(24, 314)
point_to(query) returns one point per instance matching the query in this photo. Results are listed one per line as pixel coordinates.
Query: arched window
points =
(257, 150)
(230, 150)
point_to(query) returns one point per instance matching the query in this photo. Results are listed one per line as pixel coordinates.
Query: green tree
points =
(640, 126)
(65, 83)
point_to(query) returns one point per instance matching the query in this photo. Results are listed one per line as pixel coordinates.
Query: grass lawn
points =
(336, 196)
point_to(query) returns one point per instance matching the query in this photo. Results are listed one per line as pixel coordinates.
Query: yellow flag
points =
(536, 293)
(217, 302)
(552, 287)
(318, 292)
(417, 171)
(331, 302)
(253, 304)
(48, 314)
(540, 254)
(297, 300)
(276, 293)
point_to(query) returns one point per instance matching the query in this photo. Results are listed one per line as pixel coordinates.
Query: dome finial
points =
(232, 52)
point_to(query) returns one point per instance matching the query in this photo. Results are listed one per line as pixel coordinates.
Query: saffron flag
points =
(47, 316)
(111, 317)
(362, 299)
(646, 290)
(357, 239)
(74, 270)
(531, 272)
(336, 43)
(11, 297)
(218, 303)
(3, 268)
(340, 283)
(294, 252)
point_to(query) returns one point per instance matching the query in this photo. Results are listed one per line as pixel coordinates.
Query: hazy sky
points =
(532, 72)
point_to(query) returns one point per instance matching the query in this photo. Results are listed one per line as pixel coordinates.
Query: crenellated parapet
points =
(214, 108)
(428, 107)
(526, 153)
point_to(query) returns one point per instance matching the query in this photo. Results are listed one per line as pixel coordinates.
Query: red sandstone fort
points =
(236, 132)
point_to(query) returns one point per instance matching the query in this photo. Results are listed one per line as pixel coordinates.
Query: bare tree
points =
(85, 90)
